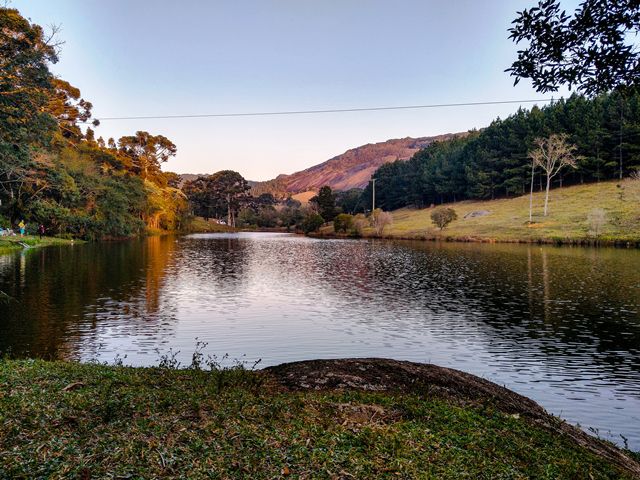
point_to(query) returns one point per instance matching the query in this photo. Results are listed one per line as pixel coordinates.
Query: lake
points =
(559, 325)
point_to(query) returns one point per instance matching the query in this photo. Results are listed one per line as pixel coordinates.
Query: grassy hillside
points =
(67, 420)
(507, 219)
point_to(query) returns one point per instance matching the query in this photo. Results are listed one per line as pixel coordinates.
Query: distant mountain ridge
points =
(352, 169)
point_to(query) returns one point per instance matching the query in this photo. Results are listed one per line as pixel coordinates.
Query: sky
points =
(145, 58)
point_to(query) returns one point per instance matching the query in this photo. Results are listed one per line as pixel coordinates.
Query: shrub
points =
(443, 216)
(311, 223)
(342, 222)
(358, 224)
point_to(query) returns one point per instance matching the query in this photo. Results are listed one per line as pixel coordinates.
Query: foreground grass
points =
(67, 420)
(507, 219)
(9, 244)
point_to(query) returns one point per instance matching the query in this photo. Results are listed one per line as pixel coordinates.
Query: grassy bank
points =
(9, 244)
(200, 225)
(506, 220)
(67, 420)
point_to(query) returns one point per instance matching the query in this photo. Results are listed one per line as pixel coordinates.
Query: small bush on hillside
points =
(443, 216)
(342, 222)
(311, 223)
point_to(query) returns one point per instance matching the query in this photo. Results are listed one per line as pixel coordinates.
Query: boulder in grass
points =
(477, 213)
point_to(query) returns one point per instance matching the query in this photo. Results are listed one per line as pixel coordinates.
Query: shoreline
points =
(17, 243)
(577, 242)
(364, 417)
(596, 214)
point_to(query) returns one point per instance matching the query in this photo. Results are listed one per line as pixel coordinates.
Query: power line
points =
(335, 110)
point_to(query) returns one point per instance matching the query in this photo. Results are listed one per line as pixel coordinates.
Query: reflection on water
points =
(561, 325)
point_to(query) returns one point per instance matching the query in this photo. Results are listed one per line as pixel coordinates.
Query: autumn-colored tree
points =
(69, 109)
(147, 152)
(53, 174)
(552, 155)
(173, 179)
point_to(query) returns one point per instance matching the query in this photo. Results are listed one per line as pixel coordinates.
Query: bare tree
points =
(635, 184)
(380, 219)
(597, 219)
(533, 169)
(552, 155)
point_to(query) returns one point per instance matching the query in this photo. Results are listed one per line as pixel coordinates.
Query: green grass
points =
(68, 420)
(507, 220)
(9, 244)
(200, 225)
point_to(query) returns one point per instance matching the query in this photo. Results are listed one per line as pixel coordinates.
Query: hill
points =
(352, 169)
(506, 220)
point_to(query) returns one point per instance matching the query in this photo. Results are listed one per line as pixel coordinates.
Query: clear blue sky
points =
(135, 57)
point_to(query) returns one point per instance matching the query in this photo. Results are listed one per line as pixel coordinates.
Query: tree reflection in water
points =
(557, 324)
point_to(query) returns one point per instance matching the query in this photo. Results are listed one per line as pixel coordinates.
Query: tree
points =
(147, 151)
(231, 188)
(326, 203)
(69, 109)
(291, 215)
(173, 179)
(594, 50)
(311, 223)
(200, 197)
(222, 193)
(52, 173)
(597, 219)
(380, 219)
(350, 201)
(533, 169)
(552, 155)
(342, 222)
(25, 85)
(443, 216)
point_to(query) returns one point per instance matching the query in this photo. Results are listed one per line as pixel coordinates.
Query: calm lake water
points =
(560, 325)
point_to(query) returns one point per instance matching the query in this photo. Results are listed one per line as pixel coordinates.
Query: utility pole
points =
(373, 199)
(533, 166)
(620, 145)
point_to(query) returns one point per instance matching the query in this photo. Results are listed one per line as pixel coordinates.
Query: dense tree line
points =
(220, 195)
(495, 162)
(54, 173)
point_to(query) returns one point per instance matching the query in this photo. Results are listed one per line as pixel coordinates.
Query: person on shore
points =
(41, 230)
(22, 227)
